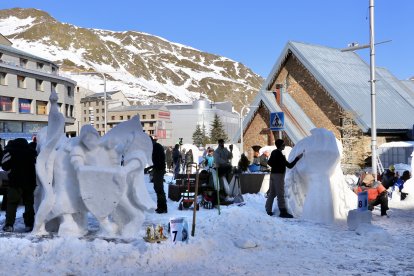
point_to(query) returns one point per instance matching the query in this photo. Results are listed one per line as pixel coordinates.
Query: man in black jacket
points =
(19, 161)
(158, 170)
(176, 155)
(278, 163)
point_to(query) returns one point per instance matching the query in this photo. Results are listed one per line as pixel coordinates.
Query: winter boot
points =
(284, 214)
(8, 228)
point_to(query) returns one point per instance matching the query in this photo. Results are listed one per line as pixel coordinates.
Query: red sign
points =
(164, 114)
(161, 133)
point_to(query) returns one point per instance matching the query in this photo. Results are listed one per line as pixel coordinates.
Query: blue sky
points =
(251, 32)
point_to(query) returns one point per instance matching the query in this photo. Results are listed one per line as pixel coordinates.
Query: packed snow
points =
(241, 240)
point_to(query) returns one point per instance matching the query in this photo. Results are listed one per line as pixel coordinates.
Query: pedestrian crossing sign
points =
(277, 121)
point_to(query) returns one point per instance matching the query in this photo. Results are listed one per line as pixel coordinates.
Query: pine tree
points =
(198, 136)
(217, 130)
(206, 139)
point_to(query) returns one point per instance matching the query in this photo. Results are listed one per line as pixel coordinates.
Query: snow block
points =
(355, 218)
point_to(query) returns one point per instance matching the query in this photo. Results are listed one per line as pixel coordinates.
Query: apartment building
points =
(93, 110)
(155, 119)
(25, 85)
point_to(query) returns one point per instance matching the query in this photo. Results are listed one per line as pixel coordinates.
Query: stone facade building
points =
(321, 87)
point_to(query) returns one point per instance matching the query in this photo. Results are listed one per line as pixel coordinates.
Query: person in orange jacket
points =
(377, 194)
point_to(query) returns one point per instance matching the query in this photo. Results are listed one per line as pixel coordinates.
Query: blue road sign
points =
(277, 121)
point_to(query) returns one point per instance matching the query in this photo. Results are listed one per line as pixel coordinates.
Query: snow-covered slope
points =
(145, 67)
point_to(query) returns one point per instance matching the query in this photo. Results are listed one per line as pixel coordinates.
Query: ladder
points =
(379, 165)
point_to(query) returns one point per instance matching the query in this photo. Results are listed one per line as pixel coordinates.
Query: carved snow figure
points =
(137, 154)
(85, 174)
(315, 188)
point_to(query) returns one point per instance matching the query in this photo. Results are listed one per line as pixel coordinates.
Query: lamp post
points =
(241, 125)
(373, 93)
(372, 81)
(105, 105)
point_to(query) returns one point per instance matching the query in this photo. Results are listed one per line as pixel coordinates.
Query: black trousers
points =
(158, 179)
(14, 195)
(382, 199)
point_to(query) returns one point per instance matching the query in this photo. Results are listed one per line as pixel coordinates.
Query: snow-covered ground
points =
(242, 240)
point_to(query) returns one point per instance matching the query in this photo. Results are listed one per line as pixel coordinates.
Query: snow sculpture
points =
(412, 162)
(316, 189)
(103, 176)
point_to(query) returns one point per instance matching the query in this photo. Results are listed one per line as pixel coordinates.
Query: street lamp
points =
(372, 81)
(105, 106)
(241, 125)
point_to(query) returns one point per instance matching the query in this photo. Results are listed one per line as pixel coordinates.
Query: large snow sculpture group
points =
(103, 176)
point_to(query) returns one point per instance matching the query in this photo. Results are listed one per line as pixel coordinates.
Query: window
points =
(41, 107)
(39, 85)
(11, 126)
(97, 110)
(23, 62)
(84, 112)
(121, 117)
(53, 86)
(151, 124)
(152, 116)
(39, 65)
(70, 110)
(3, 78)
(69, 89)
(112, 117)
(144, 117)
(6, 104)
(32, 127)
(21, 82)
(103, 110)
(25, 105)
(128, 117)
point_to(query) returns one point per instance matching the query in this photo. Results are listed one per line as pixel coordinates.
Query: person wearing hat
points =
(377, 194)
(278, 164)
(389, 178)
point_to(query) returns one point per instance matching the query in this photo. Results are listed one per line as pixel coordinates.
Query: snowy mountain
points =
(146, 68)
